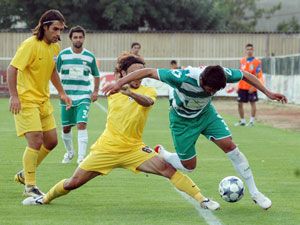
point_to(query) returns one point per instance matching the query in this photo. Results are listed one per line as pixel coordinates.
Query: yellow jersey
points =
(35, 61)
(126, 120)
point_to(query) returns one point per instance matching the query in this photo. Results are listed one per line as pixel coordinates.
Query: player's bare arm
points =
(94, 95)
(140, 99)
(14, 102)
(136, 75)
(257, 84)
(57, 84)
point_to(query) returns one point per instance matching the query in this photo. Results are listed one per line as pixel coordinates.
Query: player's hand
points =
(67, 100)
(278, 97)
(94, 96)
(125, 90)
(111, 88)
(14, 104)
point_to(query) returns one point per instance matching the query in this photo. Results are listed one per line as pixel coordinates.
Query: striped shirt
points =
(189, 98)
(75, 70)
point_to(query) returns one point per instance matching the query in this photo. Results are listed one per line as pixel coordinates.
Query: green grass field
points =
(125, 198)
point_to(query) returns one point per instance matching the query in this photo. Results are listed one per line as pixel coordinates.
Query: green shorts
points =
(186, 131)
(76, 114)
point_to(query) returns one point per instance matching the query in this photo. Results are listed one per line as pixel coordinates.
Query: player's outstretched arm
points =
(136, 75)
(257, 84)
(57, 84)
(142, 100)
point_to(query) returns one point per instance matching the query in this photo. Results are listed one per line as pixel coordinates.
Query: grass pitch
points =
(125, 198)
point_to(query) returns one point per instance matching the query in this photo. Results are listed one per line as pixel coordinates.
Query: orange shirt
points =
(253, 66)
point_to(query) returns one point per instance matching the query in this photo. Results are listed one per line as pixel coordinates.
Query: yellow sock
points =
(29, 164)
(43, 152)
(56, 191)
(185, 184)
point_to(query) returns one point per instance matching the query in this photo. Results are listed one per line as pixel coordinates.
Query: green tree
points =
(242, 15)
(291, 25)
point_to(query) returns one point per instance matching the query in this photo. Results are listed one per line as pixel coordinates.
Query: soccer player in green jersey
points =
(75, 66)
(193, 114)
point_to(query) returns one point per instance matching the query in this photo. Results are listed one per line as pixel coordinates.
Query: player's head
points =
(50, 25)
(127, 63)
(213, 79)
(173, 64)
(135, 48)
(249, 50)
(77, 35)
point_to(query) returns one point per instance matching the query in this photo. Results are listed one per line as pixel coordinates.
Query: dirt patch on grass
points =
(272, 113)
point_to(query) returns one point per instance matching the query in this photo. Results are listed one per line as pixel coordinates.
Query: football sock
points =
(241, 165)
(185, 184)
(173, 159)
(30, 157)
(43, 152)
(252, 119)
(68, 142)
(82, 143)
(56, 191)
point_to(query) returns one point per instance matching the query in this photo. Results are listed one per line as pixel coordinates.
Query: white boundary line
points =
(207, 215)
(101, 107)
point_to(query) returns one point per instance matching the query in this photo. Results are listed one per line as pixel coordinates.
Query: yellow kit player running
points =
(121, 144)
(29, 74)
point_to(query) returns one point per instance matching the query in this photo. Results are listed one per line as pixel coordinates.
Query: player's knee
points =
(67, 129)
(72, 184)
(189, 167)
(167, 170)
(81, 126)
(52, 144)
(35, 141)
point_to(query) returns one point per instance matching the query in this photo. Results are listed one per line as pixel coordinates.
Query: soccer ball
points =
(231, 189)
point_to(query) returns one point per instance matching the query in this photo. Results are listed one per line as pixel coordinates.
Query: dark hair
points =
(173, 62)
(125, 60)
(135, 43)
(214, 77)
(47, 19)
(249, 45)
(77, 29)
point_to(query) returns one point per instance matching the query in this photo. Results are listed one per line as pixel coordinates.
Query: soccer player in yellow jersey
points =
(121, 144)
(29, 73)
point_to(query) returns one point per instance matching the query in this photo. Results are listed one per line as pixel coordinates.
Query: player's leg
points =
(63, 187)
(82, 111)
(185, 133)
(253, 98)
(68, 120)
(147, 161)
(242, 98)
(219, 133)
(49, 143)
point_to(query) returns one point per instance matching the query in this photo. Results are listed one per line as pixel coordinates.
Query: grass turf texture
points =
(125, 198)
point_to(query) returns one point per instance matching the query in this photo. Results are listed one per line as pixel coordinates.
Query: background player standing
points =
(75, 65)
(246, 92)
(29, 73)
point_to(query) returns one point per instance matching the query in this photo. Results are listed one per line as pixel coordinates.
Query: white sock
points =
(173, 159)
(252, 119)
(82, 143)
(241, 165)
(68, 141)
(243, 120)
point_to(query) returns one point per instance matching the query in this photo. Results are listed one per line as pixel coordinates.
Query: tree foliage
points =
(212, 15)
(291, 25)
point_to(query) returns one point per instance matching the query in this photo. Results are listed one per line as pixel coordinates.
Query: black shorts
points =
(244, 96)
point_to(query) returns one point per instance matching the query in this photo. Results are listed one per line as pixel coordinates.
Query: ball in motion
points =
(231, 189)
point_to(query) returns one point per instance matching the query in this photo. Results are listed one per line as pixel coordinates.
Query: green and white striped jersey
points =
(188, 98)
(75, 70)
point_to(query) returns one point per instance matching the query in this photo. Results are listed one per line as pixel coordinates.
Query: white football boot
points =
(68, 157)
(261, 200)
(210, 204)
(32, 191)
(33, 201)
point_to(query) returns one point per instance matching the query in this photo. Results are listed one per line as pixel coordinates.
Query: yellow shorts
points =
(103, 161)
(38, 118)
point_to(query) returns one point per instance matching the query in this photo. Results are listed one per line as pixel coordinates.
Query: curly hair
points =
(125, 60)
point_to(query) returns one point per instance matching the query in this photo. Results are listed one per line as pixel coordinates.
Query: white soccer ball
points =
(231, 189)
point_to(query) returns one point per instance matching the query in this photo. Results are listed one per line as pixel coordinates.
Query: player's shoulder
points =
(88, 53)
(30, 41)
(257, 60)
(66, 51)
